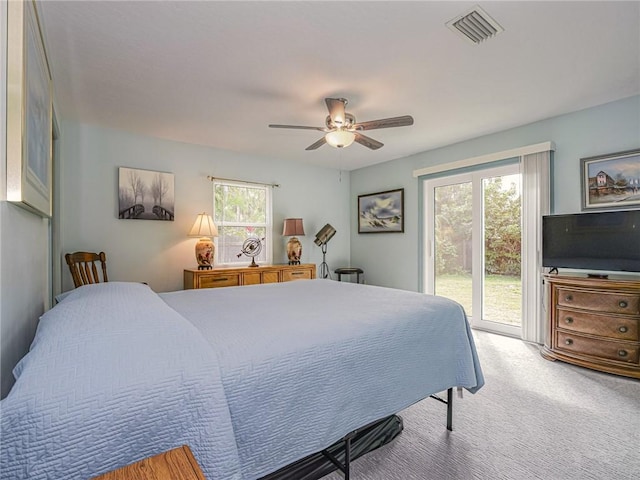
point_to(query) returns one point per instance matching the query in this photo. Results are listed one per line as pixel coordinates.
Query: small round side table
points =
(350, 271)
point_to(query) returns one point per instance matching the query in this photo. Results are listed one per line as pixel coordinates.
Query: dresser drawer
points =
(219, 280)
(256, 278)
(251, 278)
(609, 350)
(600, 301)
(297, 274)
(613, 326)
(270, 277)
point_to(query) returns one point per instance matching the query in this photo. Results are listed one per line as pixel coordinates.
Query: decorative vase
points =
(205, 250)
(294, 251)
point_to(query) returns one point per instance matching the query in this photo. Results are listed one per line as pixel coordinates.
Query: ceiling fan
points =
(342, 130)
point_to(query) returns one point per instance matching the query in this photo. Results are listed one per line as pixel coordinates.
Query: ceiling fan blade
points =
(299, 127)
(403, 121)
(367, 141)
(336, 110)
(318, 144)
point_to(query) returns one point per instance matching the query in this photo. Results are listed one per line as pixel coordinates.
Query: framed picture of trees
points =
(145, 194)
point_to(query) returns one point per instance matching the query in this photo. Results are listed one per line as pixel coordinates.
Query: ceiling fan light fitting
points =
(340, 138)
(342, 129)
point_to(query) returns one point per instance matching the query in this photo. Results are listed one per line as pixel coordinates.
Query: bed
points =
(252, 378)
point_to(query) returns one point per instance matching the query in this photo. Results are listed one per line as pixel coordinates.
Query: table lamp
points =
(292, 227)
(205, 249)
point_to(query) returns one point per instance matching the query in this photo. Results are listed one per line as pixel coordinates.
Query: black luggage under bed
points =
(353, 445)
(361, 441)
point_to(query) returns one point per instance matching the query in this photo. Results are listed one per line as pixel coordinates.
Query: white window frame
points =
(243, 260)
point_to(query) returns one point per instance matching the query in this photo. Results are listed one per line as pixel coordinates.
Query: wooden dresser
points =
(236, 276)
(594, 323)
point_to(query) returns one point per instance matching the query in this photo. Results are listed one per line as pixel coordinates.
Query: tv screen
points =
(592, 241)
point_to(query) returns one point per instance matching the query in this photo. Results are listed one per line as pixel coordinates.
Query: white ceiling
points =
(217, 73)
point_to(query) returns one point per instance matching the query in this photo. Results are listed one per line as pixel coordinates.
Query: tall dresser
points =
(594, 323)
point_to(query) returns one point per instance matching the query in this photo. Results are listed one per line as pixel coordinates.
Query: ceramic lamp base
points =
(294, 251)
(205, 252)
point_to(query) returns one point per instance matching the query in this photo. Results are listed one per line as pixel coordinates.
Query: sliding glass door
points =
(452, 234)
(473, 233)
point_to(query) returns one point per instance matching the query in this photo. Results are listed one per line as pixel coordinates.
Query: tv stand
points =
(594, 323)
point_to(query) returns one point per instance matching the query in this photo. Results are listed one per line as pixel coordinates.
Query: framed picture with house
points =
(611, 182)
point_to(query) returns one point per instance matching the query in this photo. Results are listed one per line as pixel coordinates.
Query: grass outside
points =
(502, 296)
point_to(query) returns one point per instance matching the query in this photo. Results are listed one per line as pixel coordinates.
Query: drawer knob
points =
(569, 320)
(622, 304)
(568, 341)
(569, 298)
(623, 329)
(622, 353)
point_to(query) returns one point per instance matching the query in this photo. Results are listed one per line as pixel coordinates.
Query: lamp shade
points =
(292, 226)
(203, 227)
(325, 234)
(340, 138)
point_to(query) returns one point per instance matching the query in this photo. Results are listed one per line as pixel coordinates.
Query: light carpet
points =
(533, 419)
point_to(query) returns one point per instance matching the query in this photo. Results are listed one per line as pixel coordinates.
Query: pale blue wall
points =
(24, 257)
(393, 259)
(157, 252)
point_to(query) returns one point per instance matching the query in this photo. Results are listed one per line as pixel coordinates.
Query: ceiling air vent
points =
(475, 26)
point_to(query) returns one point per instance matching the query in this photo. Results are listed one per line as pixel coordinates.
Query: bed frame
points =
(350, 447)
(344, 466)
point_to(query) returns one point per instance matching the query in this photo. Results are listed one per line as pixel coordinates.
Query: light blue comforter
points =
(306, 362)
(113, 376)
(252, 378)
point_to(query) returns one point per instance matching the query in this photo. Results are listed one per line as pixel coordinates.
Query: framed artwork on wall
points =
(29, 112)
(611, 182)
(145, 194)
(381, 212)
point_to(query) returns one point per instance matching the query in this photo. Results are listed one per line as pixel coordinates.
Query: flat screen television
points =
(608, 241)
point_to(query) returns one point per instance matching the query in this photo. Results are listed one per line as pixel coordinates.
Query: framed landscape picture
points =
(145, 194)
(381, 212)
(611, 182)
(29, 112)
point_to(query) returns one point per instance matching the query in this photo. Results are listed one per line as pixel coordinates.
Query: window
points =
(241, 210)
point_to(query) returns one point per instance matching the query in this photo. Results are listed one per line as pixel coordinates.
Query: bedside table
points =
(175, 464)
(237, 276)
